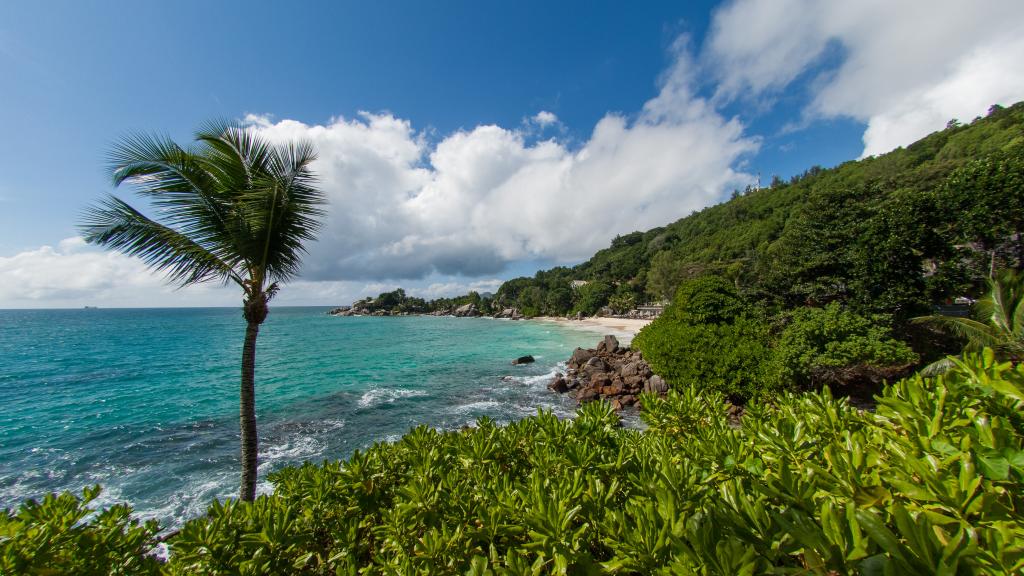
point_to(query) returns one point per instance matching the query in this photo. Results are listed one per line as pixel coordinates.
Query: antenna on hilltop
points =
(757, 186)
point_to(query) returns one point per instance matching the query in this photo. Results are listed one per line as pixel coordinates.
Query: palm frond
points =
(974, 331)
(940, 366)
(232, 206)
(176, 183)
(115, 224)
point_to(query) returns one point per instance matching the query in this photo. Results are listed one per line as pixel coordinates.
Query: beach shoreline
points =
(622, 328)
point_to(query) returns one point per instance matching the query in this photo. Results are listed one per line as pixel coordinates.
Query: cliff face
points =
(609, 371)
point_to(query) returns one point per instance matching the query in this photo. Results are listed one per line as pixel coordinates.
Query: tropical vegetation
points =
(931, 482)
(999, 322)
(232, 208)
(887, 234)
(784, 298)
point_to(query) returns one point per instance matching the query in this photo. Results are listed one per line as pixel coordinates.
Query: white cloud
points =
(906, 67)
(478, 199)
(545, 118)
(436, 216)
(74, 275)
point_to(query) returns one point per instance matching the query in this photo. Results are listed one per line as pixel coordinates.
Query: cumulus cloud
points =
(73, 274)
(905, 69)
(405, 208)
(545, 118)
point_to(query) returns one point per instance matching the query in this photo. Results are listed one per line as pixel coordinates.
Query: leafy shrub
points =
(591, 297)
(54, 537)
(705, 300)
(930, 483)
(709, 339)
(833, 345)
(727, 358)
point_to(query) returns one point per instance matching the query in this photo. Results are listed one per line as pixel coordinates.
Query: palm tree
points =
(999, 324)
(231, 208)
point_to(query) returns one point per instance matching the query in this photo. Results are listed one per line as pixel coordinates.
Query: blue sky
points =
(498, 119)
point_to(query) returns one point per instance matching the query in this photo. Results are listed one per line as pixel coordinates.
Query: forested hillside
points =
(890, 234)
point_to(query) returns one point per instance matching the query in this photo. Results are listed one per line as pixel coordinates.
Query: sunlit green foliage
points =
(709, 338)
(61, 535)
(823, 345)
(930, 483)
(862, 233)
(998, 322)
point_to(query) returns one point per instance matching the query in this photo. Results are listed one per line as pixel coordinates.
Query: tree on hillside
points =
(231, 208)
(988, 197)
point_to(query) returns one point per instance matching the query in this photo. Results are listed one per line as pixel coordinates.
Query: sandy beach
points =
(622, 328)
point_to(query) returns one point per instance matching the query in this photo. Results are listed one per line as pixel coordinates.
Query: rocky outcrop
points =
(510, 313)
(523, 360)
(610, 371)
(466, 310)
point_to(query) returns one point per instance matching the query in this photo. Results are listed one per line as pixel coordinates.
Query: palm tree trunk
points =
(247, 412)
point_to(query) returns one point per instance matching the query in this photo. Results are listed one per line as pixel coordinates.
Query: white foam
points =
(379, 396)
(477, 406)
(544, 379)
(296, 449)
(333, 425)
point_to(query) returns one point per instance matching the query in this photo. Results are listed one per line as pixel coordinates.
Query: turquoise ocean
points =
(145, 401)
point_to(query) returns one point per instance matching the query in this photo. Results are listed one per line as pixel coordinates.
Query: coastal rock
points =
(610, 372)
(594, 365)
(610, 344)
(466, 310)
(656, 384)
(523, 360)
(510, 313)
(600, 380)
(580, 357)
(630, 369)
(559, 384)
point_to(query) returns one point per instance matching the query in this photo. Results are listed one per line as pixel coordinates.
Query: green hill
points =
(890, 234)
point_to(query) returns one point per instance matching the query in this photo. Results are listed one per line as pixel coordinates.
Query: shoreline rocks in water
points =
(464, 311)
(523, 360)
(610, 371)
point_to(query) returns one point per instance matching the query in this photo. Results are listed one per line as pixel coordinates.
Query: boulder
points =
(594, 365)
(523, 360)
(586, 395)
(580, 357)
(611, 344)
(612, 390)
(600, 379)
(630, 369)
(656, 384)
(559, 384)
(466, 310)
(634, 381)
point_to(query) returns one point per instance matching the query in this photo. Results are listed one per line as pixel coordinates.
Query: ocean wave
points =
(477, 406)
(296, 449)
(378, 396)
(539, 379)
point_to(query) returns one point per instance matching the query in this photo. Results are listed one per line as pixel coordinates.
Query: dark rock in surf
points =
(523, 360)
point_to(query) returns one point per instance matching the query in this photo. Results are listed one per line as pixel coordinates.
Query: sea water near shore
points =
(145, 401)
